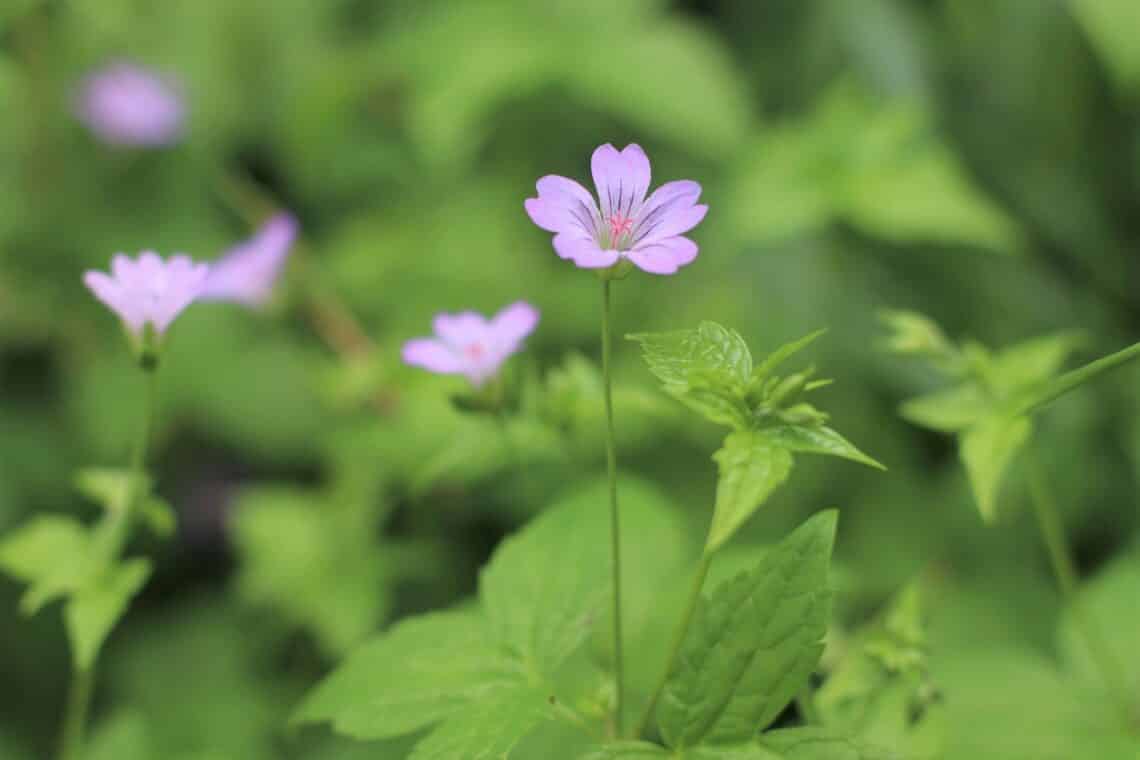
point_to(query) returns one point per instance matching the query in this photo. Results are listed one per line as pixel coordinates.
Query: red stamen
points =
(619, 225)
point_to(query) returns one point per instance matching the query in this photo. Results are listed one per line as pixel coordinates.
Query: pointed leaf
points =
(95, 608)
(751, 467)
(547, 586)
(423, 670)
(108, 487)
(1033, 361)
(55, 555)
(753, 644)
(987, 450)
(486, 730)
(785, 352)
(948, 411)
(712, 353)
(817, 440)
(1034, 398)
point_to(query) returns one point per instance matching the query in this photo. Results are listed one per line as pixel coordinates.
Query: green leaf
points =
(54, 555)
(751, 467)
(817, 440)
(94, 609)
(312, 562)
(107, 487)
(629, 751)
(1032, 361)
(811, 743)
(122, 737)
(987, 449)
(749, 751)
(546, 585)
(753, 644)
(422, 671)
(785, 352)
(711, 353)
(1111, 26)
(1034, 398)
(486, 730)
(948, 411)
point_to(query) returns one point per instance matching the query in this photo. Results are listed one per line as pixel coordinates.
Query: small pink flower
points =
(628, 225)
(469, 344)
(148, 290)
(128, 105)
(247, 272)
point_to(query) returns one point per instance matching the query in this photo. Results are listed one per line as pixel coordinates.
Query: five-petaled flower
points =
(127, 105)
(649, 232)
(147, 290)
(247, 272)
(469, 344)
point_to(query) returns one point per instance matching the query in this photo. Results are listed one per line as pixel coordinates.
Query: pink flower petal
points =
(247, 272)
(664, 257)
(584, 252)
(458, 330)
(513, 323)
(622, 179)
(432, 355)
(562, 205)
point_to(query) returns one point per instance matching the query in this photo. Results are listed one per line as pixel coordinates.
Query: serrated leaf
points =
(723, 408)
(486, 730)
(753, 644)
(710, 355)
(751, 467)
(546, 586)
(948, 411)
(97, 606)
(422, 671)
(785, 352)
(812, 743)
(987, 449)
(817, 440)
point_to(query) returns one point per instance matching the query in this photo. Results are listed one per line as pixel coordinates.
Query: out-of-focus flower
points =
(127, 105)
(247, 272)
(469, 344)
(148, 290)
(647, 231)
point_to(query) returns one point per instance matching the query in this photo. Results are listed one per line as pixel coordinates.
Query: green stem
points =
(113, 534)
(615, 532)
(1064, 570)
(75, 722)
(678, 639)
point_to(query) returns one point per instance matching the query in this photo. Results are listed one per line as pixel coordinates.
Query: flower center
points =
(475, 351)
(620, 227)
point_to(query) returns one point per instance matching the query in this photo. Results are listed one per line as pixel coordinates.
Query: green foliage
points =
(754, 643)
(711, 370)
(517, 654)
(1108, 24)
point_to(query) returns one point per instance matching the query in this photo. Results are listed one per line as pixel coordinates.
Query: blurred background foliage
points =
(976, 160)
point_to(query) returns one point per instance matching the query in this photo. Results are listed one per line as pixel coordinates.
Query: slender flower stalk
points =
(615, 518)
(1064, 570)
(113, 533)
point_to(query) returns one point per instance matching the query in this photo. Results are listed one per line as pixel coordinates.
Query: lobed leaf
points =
(422, 671)
(753, 644)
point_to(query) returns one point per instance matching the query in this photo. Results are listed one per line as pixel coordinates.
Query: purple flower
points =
(470, 344)
(127, 105)
(647, 231)
(148, 290)
(246, 273)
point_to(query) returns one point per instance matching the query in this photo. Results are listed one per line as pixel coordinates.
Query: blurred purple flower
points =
(127, 105)
(470, 344)
(247, 272)
(148, 289)
(647, 231)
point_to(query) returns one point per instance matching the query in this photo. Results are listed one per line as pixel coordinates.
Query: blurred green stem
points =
(1064, 570)
(113, 534)
(615, 533)
(678, 639)
(75, 722)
